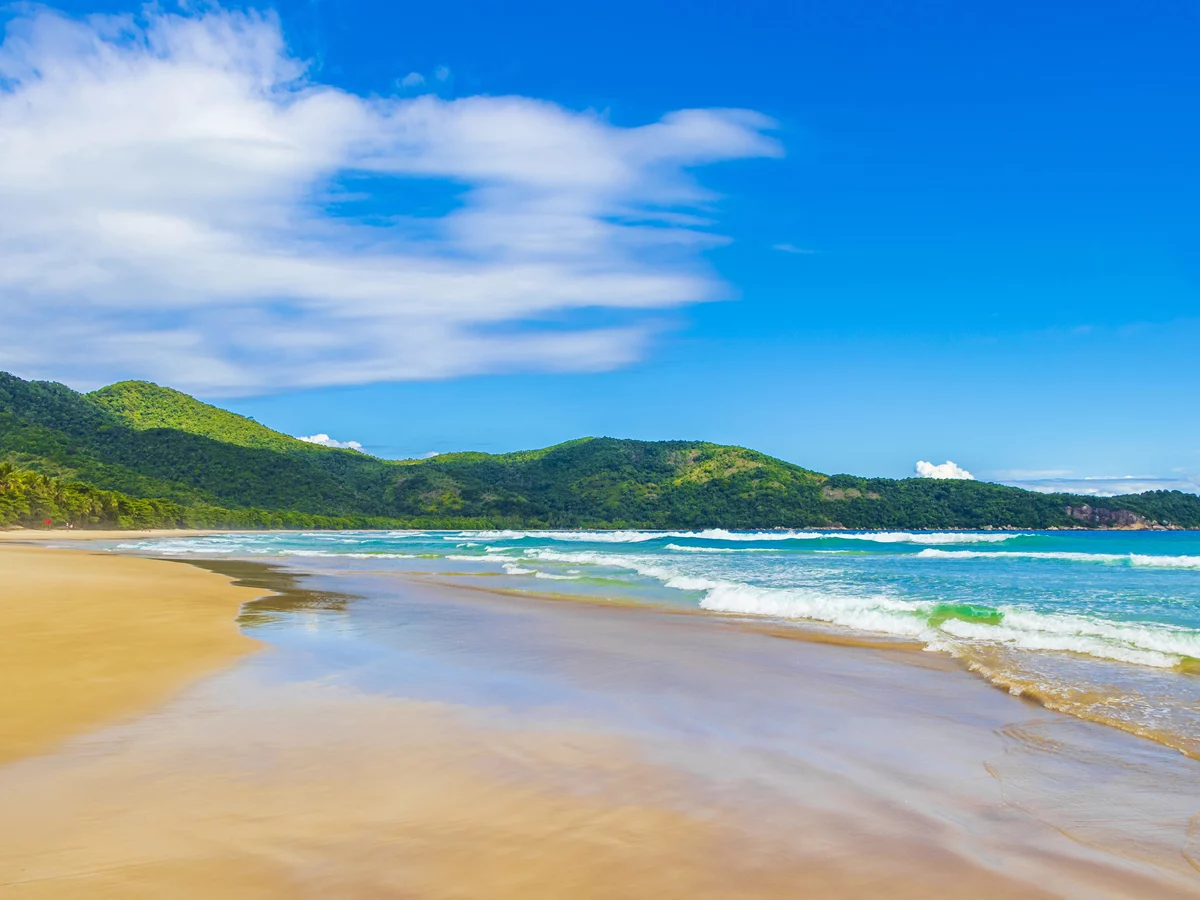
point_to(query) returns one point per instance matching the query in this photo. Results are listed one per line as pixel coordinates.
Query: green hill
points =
(146, 406)
(135, 454)
(112, 440)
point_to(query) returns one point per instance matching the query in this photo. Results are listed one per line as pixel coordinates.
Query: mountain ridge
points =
(145, 405)
(134, 454)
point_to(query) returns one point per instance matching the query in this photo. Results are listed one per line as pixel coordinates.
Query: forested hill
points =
(136, 455)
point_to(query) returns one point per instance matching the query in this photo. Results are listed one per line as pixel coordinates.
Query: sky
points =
(854, 235)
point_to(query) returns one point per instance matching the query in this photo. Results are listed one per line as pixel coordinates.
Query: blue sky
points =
(934, 231)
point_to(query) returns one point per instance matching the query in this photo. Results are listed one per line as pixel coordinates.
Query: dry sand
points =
(91, 637)
(54, 535)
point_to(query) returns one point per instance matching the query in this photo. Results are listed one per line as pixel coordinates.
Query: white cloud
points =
(945, 470)
(326, 441)
(176, 197)
(792, 248)
(412, 79)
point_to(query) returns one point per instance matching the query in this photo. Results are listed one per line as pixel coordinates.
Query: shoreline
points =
(42, 535)
(1050, 696)
(913, 650)
(888, 677)
(92, 638)
(569, 749)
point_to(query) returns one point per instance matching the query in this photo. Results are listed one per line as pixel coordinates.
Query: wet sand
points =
(87, 638)
(403, 739)
(409, 800)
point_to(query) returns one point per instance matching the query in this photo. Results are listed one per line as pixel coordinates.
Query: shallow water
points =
(399, 737)
(1102, 625)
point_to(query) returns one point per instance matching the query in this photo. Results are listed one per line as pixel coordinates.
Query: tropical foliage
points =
(138, 455)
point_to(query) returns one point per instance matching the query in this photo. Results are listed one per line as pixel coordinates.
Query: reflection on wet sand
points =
(410, 740)
(283, 594)
(400, 799)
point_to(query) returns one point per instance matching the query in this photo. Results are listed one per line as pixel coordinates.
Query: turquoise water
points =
(1105, 625)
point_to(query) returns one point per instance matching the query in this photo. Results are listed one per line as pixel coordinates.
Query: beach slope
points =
(91, 637)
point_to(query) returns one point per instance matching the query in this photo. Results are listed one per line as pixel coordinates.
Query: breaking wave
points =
(745, 573)
(1132, 559)
(1092, 624)
(721, 534)
(939, 625)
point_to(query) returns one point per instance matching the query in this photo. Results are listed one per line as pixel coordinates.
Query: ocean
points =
(1104, 626)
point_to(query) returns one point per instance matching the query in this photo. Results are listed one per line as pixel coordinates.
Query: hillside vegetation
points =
(138, 455)
(145, 406)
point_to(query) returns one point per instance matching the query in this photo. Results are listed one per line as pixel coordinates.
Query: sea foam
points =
(1133, 559)
(871, 587)
(721, 534)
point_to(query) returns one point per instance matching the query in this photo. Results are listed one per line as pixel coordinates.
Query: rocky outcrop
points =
(1108, 518)
(828, 493)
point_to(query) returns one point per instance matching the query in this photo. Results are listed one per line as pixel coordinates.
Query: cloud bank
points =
(945, 470)
(181, 200)
(326, 441)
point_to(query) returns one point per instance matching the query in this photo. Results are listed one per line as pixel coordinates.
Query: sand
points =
(89, 637)
(402, 799)
(330, 769)
(54, 535)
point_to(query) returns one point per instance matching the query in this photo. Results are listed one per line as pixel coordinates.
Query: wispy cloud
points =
(948, 469)
(1029, 474)
(792, 248)
(1064, 482)
(175, 197)
(326, 441)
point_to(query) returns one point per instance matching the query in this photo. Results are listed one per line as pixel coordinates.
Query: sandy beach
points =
(403, 737)
(89, 638)
(45, 536)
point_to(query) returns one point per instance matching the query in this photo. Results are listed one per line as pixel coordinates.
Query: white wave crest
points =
(932, 537)
(1133, 559)
(680, 548)
(361, 555)
(1160, 646)
(691, 583)
(641, 565)
(722, 534)
(598, 537)
(293, 551)
(1022, 554)
(864, 613)
(1165, 562)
